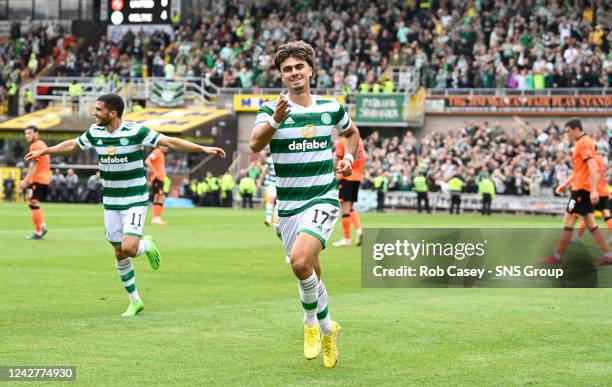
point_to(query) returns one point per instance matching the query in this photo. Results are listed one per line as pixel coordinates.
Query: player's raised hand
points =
(282, 109)
(344, 167)
(32, 156)
(213, 150)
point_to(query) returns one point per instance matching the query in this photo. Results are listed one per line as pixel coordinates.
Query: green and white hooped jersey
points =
(302, 152)
(270, 178)
(121, 162)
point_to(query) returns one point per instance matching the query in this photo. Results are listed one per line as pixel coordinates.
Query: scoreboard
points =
(131, 12)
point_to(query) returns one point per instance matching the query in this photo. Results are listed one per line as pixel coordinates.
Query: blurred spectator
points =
(214, 189)
(227, 189)
(9, 187)
(185, 189)
(254, 170)
(247, 188)
(381, 183)
(456, 187)
(94, 189)
(28, 100)
(420, 186)
(72, 186)
(75, 90)
(486, 189)
(57, 186)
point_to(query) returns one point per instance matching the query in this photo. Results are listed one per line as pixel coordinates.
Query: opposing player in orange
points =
(37, 181)
(584, 195)
(604, 198)
(157, 164)
(349, 192)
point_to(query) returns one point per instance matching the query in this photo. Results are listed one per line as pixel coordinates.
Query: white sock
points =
(358, 231)
(608, 254)
(557, 256)
(126, 272)
(323, 315)
(143, 246)
(269, 210)
(309, 296)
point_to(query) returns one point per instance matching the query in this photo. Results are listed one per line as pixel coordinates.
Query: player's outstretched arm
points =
(345, 166)
(189, 147)
(68, 146)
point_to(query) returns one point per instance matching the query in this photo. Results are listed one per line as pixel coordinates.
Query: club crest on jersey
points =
(326, 118)
(111, 150)
(309, 131)
(124, 141)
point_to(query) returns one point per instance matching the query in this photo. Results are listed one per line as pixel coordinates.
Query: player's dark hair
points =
(113, 102)
(33, 128)
(574, 123)
(300, 50)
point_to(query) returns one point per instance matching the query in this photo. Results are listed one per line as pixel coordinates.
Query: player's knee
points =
(34, 204)
(129, 250)
(299, 265)
(300, 269)
(119, 255)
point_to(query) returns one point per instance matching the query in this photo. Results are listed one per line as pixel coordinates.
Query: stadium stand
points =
(28, 50)
(485, 44)
(520, 161)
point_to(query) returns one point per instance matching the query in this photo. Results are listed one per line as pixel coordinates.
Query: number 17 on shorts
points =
(318, 221)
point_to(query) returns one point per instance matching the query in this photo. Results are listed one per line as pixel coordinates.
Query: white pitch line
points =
(52, 230)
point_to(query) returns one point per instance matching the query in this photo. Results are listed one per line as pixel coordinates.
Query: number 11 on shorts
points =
(134, 219)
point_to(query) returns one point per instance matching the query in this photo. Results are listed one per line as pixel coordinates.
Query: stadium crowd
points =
(25, 51)
(489, 43)
(522, 161)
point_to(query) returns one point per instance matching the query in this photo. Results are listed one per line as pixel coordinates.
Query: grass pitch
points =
(224, 309)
